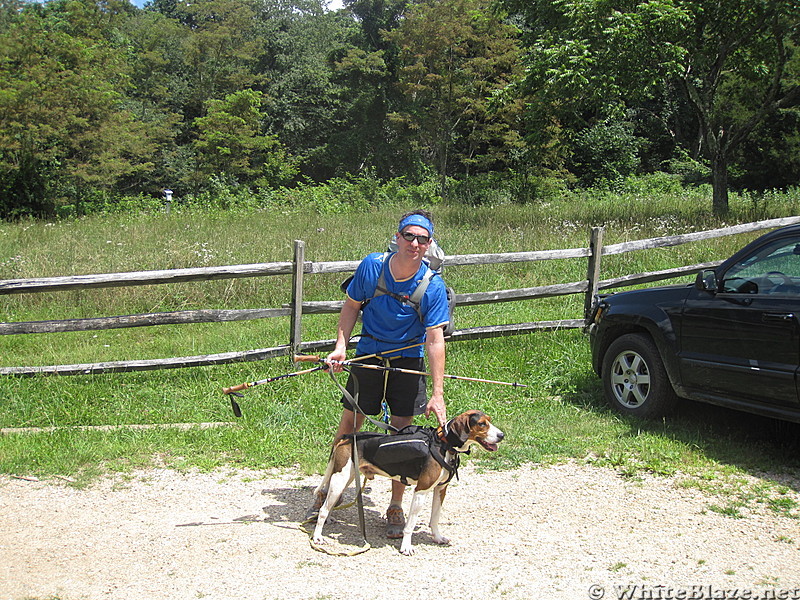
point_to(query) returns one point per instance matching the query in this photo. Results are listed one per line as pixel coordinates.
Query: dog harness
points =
(404, 454)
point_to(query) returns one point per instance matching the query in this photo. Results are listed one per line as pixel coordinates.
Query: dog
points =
(435, 470)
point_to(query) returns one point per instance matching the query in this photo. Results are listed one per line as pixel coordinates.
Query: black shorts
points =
(406, 394)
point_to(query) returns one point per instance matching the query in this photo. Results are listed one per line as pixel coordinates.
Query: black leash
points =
(353, 400)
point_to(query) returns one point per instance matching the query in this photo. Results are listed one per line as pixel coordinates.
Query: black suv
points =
(732, 338)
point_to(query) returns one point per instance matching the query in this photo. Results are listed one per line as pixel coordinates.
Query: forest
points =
(103, 103)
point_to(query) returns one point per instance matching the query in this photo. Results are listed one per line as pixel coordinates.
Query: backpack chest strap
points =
(415, 299)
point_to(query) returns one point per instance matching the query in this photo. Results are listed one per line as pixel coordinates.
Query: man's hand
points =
(335, 359)
(437, 407)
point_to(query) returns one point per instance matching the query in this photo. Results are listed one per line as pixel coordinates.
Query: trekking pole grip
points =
(306, 358)
(236, 388)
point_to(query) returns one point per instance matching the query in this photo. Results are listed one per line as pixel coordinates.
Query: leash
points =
(353, 400)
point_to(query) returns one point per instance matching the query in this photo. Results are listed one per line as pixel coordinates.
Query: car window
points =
(771, 269)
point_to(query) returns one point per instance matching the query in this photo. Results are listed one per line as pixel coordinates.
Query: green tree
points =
(770, 158)
(230, 143)
(733, 61)
(159, 89)
(366, 71)
(64, 129)
(360, 140)
(457, 57)
(302, 97)
(376, 17)
(222, 50)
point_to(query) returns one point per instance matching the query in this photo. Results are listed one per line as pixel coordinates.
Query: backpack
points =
(400, 455)
(405, 453)
(415, 299)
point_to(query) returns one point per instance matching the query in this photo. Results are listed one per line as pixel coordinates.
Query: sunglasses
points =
(421, 239)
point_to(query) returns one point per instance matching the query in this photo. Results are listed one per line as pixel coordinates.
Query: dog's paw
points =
(318, 540)
(441, 540)
(407, 549)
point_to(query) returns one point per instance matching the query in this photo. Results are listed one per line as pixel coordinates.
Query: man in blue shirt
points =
(389, 324)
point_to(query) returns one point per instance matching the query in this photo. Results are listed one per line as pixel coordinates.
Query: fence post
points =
(593, 274)
(296, 333)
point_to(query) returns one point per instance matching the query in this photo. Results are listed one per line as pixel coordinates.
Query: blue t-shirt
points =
(387, 322)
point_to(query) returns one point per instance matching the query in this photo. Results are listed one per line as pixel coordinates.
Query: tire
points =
(635, 382)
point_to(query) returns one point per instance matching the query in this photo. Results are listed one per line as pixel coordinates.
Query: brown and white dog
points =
(470, 428)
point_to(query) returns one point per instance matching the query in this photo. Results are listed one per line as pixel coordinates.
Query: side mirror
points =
(707, 281)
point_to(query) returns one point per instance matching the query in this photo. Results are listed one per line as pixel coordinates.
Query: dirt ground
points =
(561, 532)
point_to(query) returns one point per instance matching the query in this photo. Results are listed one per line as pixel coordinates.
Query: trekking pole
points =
(350, 363)
(234, 390)
(243, 386)
(379, 354)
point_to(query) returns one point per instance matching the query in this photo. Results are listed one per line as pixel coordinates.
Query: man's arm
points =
(435, 350)
(347, 320)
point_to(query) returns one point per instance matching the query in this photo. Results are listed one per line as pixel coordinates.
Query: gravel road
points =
(559, 532)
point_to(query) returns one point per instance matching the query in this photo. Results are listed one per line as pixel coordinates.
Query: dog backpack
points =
(404, 453)
(400, 455)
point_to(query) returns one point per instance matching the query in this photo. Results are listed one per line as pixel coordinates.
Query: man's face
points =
(417, 246)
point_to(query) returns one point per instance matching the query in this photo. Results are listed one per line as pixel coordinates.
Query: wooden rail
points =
(298, 268)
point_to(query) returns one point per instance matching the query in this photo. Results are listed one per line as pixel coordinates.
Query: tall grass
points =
(289, 423)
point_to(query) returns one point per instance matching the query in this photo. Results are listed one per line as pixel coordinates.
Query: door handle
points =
(783, 317)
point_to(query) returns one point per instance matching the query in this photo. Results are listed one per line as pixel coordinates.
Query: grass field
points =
(560, 416)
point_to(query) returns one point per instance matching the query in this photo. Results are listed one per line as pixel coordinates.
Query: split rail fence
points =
(299, 268)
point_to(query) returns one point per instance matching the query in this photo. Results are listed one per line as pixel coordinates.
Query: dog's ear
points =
(474, 417)
(458, 431)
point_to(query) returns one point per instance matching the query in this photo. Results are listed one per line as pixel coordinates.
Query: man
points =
(390, 324)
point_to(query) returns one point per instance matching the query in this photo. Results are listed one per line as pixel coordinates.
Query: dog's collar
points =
(440, 454)
(442, 432)
(450, 438)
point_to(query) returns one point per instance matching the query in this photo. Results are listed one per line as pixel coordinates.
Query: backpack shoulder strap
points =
(380, 287)
(416, 297)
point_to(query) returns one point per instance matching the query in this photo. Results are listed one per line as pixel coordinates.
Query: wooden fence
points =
(299, 268)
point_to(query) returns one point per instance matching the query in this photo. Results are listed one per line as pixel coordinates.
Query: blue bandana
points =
(416, 220)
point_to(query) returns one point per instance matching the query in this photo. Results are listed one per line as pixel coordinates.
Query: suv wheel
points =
(635, 382)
